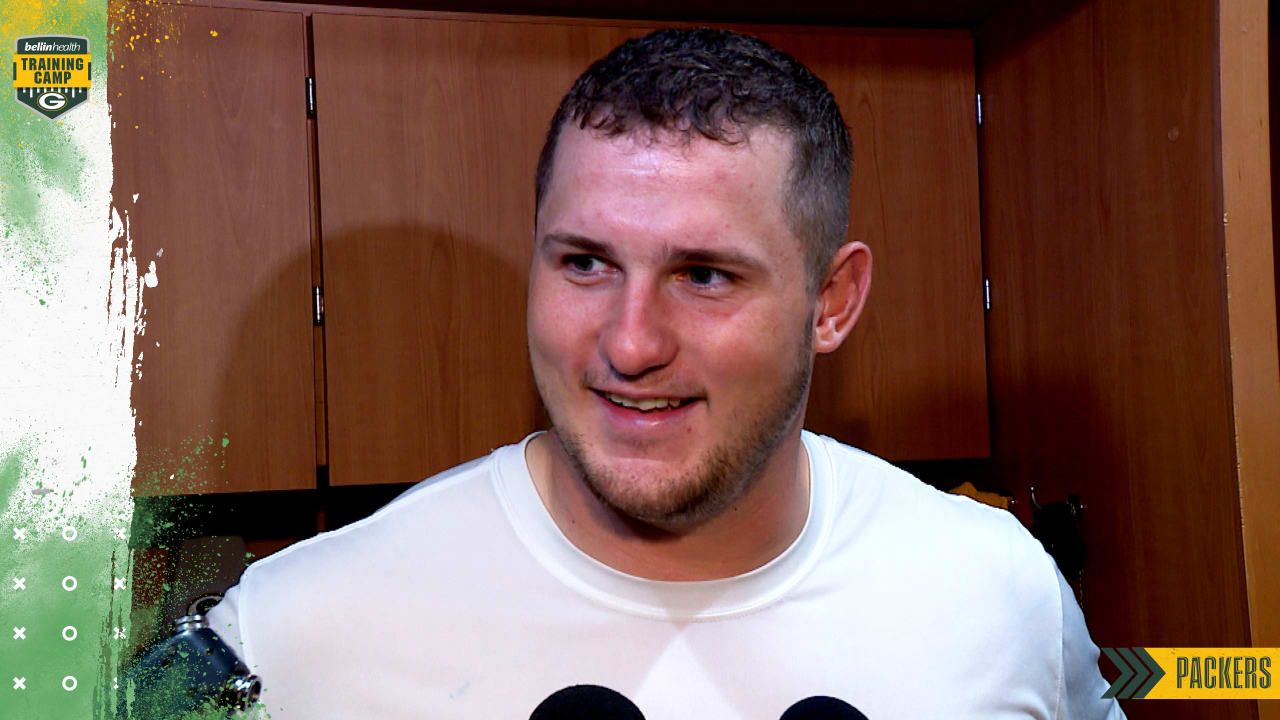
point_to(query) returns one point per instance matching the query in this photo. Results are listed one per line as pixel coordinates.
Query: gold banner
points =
(1216, 673)
(50, 71)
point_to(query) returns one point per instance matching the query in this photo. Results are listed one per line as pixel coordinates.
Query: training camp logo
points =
(51, 73)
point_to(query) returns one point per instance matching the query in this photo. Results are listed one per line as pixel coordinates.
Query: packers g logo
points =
(51, 73)
(51, 101)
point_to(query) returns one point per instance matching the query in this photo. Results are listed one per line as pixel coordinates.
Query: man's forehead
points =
(762, 154)
(681, 196)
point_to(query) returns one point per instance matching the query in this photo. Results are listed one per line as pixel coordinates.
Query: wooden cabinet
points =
(427, 150)
(910, 381)
(1132, 337)
(210, 149)
(426, 135)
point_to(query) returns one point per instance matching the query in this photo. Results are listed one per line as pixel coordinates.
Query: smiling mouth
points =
(646, 404)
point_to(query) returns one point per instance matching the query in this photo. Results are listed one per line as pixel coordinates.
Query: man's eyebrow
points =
(703, 256)
(671, 255)
(577, 242)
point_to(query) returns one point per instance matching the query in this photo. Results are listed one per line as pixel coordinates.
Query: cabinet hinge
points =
(979, 109)
(317, 306)
(986, 294)
(311, 97)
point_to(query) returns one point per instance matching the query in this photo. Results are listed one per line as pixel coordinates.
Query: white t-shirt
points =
(462, 599)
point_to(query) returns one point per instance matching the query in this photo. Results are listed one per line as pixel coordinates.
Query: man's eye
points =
(707, 276)
(583, 263)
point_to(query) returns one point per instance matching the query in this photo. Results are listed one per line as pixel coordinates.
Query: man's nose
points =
(639, 336)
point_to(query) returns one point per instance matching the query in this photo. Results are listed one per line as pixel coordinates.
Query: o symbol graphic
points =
(69, 683)
(69, 633)
(51, 101)
(69, 583)
(69, 533)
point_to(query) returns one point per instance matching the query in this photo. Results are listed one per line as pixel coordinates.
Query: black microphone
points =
(586, 702)
(821, 707)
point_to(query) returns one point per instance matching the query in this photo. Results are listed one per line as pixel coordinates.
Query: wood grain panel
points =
(209, 146)
(1102, 222)
(427, 154)
(910, 382)
(1251, 308)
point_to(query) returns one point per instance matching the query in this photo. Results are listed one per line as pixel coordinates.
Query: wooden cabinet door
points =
(209, 142)
(429, 132)
(910, 382)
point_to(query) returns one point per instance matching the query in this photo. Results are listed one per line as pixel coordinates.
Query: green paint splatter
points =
(184, 469)
(67, 571)
(163, 525)
(14, 465)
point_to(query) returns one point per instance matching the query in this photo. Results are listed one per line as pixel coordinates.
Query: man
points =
(676, 546)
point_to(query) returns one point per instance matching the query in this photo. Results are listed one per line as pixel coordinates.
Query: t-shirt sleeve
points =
(1082, 680)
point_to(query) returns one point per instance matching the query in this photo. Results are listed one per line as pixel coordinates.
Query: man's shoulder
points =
(874, 479)
(890, 508)
(396, 530)
(909, 540)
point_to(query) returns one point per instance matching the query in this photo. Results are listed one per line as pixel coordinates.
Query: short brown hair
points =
(721, 85)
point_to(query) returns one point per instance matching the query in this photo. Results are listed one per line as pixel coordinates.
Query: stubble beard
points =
(719, 478)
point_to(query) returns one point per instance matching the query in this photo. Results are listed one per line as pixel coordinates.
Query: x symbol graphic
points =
(19, 533)
(19, 583)
(19, 633)
(119, 633)
(119, 584)
(19, 683)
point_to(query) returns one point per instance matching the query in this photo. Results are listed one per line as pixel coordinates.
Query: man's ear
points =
(840, 299)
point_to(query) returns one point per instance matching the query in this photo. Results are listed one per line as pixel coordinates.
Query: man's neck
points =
(757, 527)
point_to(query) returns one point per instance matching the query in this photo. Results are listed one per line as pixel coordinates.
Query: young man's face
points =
(669, 325)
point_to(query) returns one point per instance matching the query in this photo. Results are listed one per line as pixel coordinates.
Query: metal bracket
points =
(317, 306)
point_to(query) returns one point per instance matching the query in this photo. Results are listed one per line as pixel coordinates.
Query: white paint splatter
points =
(151, 279)
(64, 399)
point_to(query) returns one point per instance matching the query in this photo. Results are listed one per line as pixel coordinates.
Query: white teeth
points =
(643, 405)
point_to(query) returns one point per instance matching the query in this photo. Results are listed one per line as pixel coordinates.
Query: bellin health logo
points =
(51, 73)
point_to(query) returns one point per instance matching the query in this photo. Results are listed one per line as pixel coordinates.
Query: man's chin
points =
(669, 496)
(654, 486)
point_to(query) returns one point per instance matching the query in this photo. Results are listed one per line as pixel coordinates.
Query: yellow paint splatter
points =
(213, 33)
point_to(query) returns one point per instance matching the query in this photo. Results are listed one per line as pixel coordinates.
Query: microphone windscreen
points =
(586, 702)
(821, 707)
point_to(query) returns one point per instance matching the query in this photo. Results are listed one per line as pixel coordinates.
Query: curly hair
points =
(721, 85)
